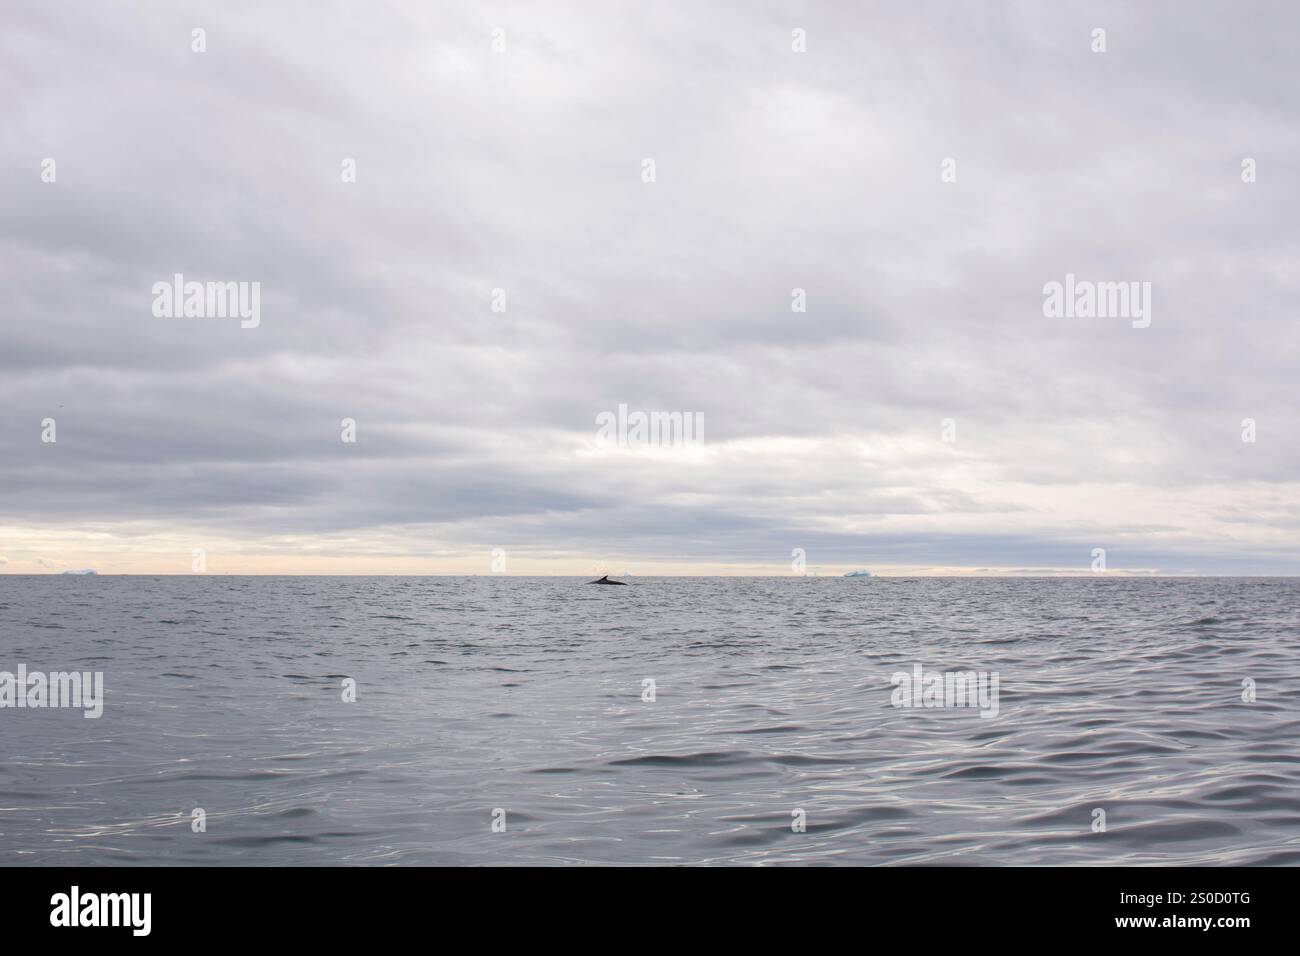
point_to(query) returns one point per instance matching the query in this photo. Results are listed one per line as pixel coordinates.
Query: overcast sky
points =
(522, 170)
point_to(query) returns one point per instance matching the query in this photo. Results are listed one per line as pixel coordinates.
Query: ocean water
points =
(771, 696)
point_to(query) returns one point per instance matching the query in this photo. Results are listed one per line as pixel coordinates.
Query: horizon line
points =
(1115, 573)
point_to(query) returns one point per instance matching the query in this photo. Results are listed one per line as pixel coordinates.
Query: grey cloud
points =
(775, 170)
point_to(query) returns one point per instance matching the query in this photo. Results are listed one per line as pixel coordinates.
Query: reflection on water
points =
(770, 696)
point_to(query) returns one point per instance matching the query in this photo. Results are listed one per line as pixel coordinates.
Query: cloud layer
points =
(520, 169)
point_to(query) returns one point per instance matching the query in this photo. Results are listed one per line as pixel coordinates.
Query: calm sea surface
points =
(771, 696)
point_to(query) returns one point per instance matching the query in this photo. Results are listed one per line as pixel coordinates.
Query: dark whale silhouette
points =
(606, 580)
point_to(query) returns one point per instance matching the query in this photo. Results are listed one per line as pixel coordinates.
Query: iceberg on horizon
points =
(82, 572)
(858, 574)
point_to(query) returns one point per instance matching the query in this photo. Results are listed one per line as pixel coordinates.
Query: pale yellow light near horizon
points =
(1204, 513)
(218, 564)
